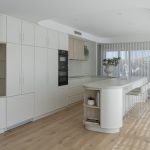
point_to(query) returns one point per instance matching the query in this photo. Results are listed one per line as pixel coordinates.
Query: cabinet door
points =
(2, 114)
(27, 33)
(13, 60)
(76, 50)
(63, 41)
(2, 28)
(80, 50)
(52, 39)
(52, 78)
(13, 30)
(40, 36)
(27, 69)
(41, 85)
(19, 109)
(71, 48)
(62, 97)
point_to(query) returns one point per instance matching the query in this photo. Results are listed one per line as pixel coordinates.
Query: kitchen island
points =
(106, 115)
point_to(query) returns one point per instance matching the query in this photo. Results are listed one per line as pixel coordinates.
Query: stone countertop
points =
(113, 83)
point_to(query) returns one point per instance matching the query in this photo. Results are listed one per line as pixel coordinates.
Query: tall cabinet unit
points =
(62, 99)
(20, 72)
(29, 71)
(41, 76)
(53, 79)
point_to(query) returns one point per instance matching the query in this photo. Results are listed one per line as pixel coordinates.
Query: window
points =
(134, 55)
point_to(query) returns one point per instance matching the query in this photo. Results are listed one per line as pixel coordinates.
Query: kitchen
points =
(56, 91)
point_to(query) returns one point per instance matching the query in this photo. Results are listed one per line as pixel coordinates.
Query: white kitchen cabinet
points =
(52, 78)
(19, 109)
(52, 39)
(13, 76)
(75, 90)
(63, 41)
(2, 28)
(2, 114)
(41, 38)
(13, 30)
(27, 33)
(62, 99)
(27, 69)
(41, 84)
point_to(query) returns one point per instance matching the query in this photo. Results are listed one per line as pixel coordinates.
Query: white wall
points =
(81, 68)
(138, 38)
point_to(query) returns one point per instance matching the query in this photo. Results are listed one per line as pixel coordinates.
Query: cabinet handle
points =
(23, 78)
(20, 37)
(20, 79)
(47, 42)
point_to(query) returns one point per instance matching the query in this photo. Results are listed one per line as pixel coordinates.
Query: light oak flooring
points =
(65, 131)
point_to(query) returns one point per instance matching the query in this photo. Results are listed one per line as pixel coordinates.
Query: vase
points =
(109, 70)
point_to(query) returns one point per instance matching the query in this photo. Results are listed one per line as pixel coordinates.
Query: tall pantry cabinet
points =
(48, 95)
(20, 71)
(31, 79)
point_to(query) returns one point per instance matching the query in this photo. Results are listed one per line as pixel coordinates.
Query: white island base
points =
(97, 128)
(107, 114)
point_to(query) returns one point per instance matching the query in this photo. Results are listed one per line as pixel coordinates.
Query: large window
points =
(135, 55)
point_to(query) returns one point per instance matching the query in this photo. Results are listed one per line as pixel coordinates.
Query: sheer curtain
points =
(136, 55)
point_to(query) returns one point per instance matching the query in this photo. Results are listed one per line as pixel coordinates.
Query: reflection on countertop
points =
(87, 76)
(79, 76)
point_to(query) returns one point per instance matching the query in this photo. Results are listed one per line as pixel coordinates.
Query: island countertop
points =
(113, 83)
(113, 100)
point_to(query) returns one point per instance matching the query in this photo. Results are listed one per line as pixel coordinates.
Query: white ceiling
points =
(104, 18)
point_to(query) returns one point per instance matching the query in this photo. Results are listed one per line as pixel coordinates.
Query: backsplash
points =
(82, 68)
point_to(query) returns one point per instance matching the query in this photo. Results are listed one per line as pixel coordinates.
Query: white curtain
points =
(136, 55)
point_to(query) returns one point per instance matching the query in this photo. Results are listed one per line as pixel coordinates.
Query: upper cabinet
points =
(63, 41)
(52, 39)
(71, 48)
(27, 33)
(76, 49)
(2, 28)
(13, 30)
(41, 39)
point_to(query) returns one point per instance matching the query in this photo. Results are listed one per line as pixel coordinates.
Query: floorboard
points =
(65, 131)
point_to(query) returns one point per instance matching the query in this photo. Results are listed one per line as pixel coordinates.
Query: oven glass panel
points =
(63, 67)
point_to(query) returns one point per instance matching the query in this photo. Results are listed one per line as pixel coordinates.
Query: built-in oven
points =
(62, 67)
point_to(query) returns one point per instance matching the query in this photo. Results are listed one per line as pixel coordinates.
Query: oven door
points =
(63, 78)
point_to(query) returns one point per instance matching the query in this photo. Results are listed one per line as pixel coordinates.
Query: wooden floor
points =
(65, 131)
